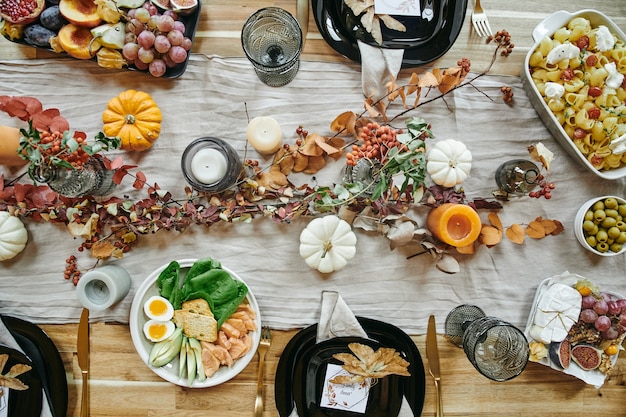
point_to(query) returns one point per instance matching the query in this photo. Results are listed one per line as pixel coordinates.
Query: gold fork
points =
(480, 21)
(264, 344)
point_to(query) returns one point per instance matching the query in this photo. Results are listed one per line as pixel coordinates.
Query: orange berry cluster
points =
(377, 140)
(54, 147)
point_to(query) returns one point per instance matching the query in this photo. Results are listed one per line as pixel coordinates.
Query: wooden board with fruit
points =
(576, 328)
(152, 36)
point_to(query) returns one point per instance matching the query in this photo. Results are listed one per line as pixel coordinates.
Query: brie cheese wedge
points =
(557, 311)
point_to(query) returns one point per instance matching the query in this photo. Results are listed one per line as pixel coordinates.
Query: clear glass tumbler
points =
(272, 41)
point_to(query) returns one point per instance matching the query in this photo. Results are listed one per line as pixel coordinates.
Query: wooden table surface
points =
(121, 385)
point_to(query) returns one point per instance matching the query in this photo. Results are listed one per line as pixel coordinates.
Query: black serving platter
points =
(191, 23)
(303, 363)
(47, 364)
(424, 40)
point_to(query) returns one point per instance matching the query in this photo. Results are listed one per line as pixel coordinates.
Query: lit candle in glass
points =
(455, 224)
(210, 164)
(264, 134)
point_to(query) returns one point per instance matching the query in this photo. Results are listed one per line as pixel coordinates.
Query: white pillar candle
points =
(102, 287)
(264, 134)
(209, 166)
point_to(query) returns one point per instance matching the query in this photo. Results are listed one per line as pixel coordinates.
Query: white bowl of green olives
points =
(600, 225)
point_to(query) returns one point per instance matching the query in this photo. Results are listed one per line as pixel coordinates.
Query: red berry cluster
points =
(503, 39)
(51, 145)
(507, 94)
(545, 189)
(71, 270)
(377, 140)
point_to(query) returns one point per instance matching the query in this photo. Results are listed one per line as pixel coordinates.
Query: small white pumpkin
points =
(13, 236)
(448, 163)
(327, 243)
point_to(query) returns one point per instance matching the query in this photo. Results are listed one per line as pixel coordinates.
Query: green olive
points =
(610, 203)
(588, 225)
(598, 205)
(599, 215)
(602, 247)
(616, 247)
(593, 231)
(611, 213)
(608, 222)
(591, 241)
(622, 209)
(621, 238)
(589, 215)
(602, 236)
(613, 232)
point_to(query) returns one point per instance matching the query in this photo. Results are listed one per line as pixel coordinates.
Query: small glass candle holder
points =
(518, 176)
(210, 164)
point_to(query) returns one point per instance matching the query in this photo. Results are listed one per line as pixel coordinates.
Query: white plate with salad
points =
(171, 282)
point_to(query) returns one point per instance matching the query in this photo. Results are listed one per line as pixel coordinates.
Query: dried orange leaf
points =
(467, 249)
(324, 144)
(559, 228)
(489, 235)
(536, 230)
(428, 80)
(102, 249)
(274, 179)
(494, 219)
(549, 226)
(371, 110)
(437, 74)
(285, 159)
(413, 83)
(301, 162)
(310, 147)
(451, 78)
(515, 234)
(338, 144)
(315, 164)
(344, 123)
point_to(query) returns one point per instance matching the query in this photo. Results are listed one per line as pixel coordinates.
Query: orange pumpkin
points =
(135, 118)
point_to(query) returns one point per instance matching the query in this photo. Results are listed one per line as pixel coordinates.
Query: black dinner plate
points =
(385, 396)
(424, 40)
(302, 349)
(22, 402)
(47, 362)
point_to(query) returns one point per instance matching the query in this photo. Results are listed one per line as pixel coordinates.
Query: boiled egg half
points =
(158, 308)
(157, 330)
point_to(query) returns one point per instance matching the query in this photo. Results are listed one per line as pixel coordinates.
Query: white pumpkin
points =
(327, 243)
(13, 236)
(448, 163)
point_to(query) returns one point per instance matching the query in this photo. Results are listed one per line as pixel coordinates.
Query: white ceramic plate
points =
(547, 28)
(593, 377)
(169, 372)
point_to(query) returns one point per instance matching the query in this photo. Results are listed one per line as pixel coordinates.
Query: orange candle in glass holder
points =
(455, 224)
(9, 144)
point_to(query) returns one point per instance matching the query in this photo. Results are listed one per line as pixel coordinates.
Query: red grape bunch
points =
(606, 313)
(155, 41)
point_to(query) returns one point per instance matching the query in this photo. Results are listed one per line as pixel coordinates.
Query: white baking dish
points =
(547, 28)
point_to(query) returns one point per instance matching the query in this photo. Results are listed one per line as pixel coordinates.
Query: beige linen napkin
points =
(337, 320)
(378, 66)
(7, 339)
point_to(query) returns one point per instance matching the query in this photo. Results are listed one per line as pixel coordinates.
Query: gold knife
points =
(83, 360)
(432, 353)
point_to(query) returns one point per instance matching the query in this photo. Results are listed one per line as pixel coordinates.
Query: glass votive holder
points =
(517, 176)
(210, 164)
(272, 41)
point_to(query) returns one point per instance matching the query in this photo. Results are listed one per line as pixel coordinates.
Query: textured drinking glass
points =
(93, 179)
(272, 41)
(518, 176)
(497, 349)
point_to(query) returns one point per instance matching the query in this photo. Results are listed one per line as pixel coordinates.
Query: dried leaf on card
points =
(536, 230)
(392, 23)
(489, 235)
(366, 362)
(494, 219)
(515, 234)
(359, 6)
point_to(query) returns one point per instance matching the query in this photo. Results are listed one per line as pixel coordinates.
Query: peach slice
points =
(82, 13)
(77, 41)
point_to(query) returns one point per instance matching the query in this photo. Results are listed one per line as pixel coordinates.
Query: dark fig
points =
(38, 35)
(586, 356)
(561, 353)
(52, 18)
